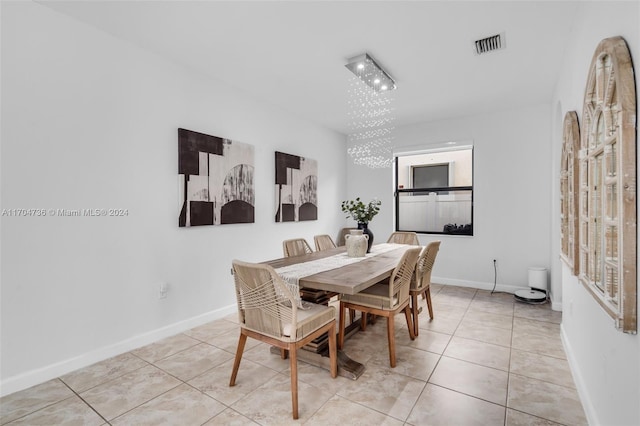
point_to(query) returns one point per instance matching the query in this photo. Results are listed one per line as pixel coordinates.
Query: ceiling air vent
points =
(489, 44)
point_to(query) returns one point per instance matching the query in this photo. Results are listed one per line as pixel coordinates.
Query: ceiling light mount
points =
(371, 73)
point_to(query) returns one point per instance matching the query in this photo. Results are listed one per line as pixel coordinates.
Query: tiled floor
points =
(483, 360)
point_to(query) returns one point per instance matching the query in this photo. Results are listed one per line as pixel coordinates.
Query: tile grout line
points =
(87, 403)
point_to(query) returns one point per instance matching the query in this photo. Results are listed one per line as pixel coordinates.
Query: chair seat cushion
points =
(309, 320)
(376, 296)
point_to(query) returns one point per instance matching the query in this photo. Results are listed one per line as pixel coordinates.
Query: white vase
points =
(356, 243)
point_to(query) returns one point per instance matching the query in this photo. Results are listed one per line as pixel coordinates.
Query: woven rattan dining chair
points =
(385, 299)
(421, 281)
(269, 313)
(296, 247)
(404, 238)
(323, 242)
(341, 234)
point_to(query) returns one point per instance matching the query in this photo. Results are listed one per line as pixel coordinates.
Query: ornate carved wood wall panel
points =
(569, 191)
(607, 179)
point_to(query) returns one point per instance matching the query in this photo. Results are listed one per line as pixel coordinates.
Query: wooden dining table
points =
(348, 279)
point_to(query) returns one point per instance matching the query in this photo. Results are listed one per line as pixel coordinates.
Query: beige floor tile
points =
(498, 297)
(475, 351)
(518, 418)
(443, 309)
(491, 306)
(261, 354)
(230, 417)
(215, 382)
(319, 377)
(435, 287)
(460, 301)
(363, 345)
(471, 328)
(484, 333)
(440, 406)
(182, 405)
(552, 402)
(488, 319)
(463, 291)
(164, 348)
(411, 362)
(207, 331)
(537, 312)
(471, 379)
(232, 318)
(341, 411)
(229, 341)
(541, 367)
(194, 361)
(118, 396)
(439, 323)
(69, 412)
(383, 390)
(426, 341)
(102, 372)
(21, 403)
(538, 343)
(529, 326)
(271, 403)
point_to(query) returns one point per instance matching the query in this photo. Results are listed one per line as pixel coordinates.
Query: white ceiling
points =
(292, 54)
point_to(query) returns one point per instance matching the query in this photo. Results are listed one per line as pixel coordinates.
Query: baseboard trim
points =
(556, 306)
(589, 411)
(476, 284)
(40, 375)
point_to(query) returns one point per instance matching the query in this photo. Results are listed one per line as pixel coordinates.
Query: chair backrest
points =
(323, 242)
(296, 247)
(424, 266)
(404, 238)
(400, 279)
(343, 232)
(260, 294)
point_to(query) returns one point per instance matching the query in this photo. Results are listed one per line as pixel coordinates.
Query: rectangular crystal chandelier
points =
(371, 113)
(372, 74)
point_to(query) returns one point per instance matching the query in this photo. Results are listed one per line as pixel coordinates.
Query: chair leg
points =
(342, 326)
(414, 312)
(363, 322)
(352, 315)
(293, 362)
(333, 353)
(427, 293)
(407, 315)
(236, 362)
(392, 341)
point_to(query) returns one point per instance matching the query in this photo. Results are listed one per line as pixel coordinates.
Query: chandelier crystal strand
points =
(371, 115)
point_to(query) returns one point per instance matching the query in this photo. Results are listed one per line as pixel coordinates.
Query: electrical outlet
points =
(163, 289)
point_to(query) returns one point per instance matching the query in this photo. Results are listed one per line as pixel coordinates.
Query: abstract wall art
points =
(296, 188)
(215, 180)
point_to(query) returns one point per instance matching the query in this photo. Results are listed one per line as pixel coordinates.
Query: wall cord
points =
(495, 276)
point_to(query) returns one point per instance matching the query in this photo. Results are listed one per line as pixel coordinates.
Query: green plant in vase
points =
(363, 214)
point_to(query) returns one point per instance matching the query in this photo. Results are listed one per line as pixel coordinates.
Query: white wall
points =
(605, 362)
(90, 121)
(460, 167)
(511, 196)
